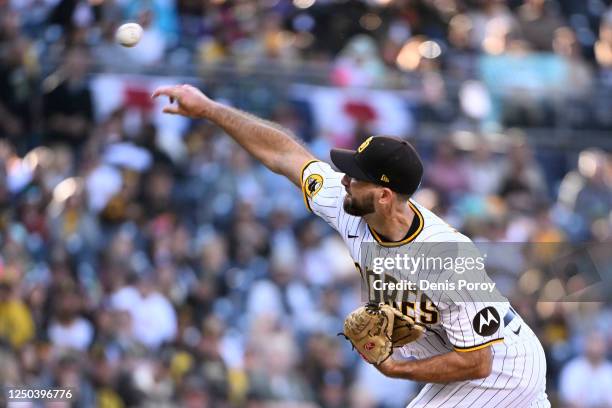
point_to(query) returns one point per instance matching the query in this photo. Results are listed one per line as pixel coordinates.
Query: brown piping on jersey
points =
(478, 347)
(412, 232)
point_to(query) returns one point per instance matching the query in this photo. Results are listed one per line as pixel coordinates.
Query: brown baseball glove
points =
(375, 329)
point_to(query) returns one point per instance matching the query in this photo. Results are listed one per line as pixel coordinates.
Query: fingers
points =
(172, 109)
(170, 91)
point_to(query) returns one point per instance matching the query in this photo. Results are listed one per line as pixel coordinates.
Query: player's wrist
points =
(389, 367)
(402, 369)
(210, 110)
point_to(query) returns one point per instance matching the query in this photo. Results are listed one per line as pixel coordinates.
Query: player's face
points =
(359, 199)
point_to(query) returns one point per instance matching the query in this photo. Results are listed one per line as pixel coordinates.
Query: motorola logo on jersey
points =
(486, 322)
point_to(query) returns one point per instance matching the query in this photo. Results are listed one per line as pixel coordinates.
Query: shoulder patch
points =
(313, 184)
(486, 322)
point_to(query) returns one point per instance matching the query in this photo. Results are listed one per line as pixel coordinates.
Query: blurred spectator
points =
(16, 325)
(282, 296)
(325, 363)
(153, 319)
(538, 20)
(67, 328)
(586, 380)
(68, 372)
(586, 193)
(68, 101)
(359, 64)
(273, 369)
(447, 172)
(580, 78)
(70, 224)
(489, 20)
(603, 46)
(483, 170)
(522, 182)
(460, 60)
(18, 72)
(595, 197)
(565, 43)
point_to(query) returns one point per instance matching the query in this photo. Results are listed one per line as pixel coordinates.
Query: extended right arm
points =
(268, 142)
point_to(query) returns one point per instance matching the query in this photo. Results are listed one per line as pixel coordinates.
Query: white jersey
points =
(454, 321)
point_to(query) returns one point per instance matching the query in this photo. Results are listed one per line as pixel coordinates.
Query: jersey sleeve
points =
(323, 191)
(472, 319)
(472, 325)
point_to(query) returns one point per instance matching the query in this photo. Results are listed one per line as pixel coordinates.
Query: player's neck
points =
(394, 223)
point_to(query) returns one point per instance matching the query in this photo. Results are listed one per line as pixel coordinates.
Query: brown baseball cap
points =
(382, 160)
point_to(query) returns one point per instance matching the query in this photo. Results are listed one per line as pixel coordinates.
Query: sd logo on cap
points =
(382, 160)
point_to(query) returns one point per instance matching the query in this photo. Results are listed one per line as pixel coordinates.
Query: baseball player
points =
(473, 353)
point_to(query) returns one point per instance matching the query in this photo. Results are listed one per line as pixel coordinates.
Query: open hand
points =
(190, 101)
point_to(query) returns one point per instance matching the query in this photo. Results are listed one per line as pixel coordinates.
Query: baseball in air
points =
(129, 34)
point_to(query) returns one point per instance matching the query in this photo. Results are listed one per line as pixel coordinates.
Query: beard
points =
(358, 208)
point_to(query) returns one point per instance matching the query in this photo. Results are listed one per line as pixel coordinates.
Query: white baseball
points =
(129, 34)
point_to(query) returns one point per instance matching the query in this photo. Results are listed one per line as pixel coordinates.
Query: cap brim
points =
(344, 160)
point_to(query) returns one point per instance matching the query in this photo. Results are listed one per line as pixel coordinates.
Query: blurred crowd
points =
(142, 277)
(139, 280)
(509, 62)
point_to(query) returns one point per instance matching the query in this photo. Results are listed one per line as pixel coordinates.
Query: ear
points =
(385, 196)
